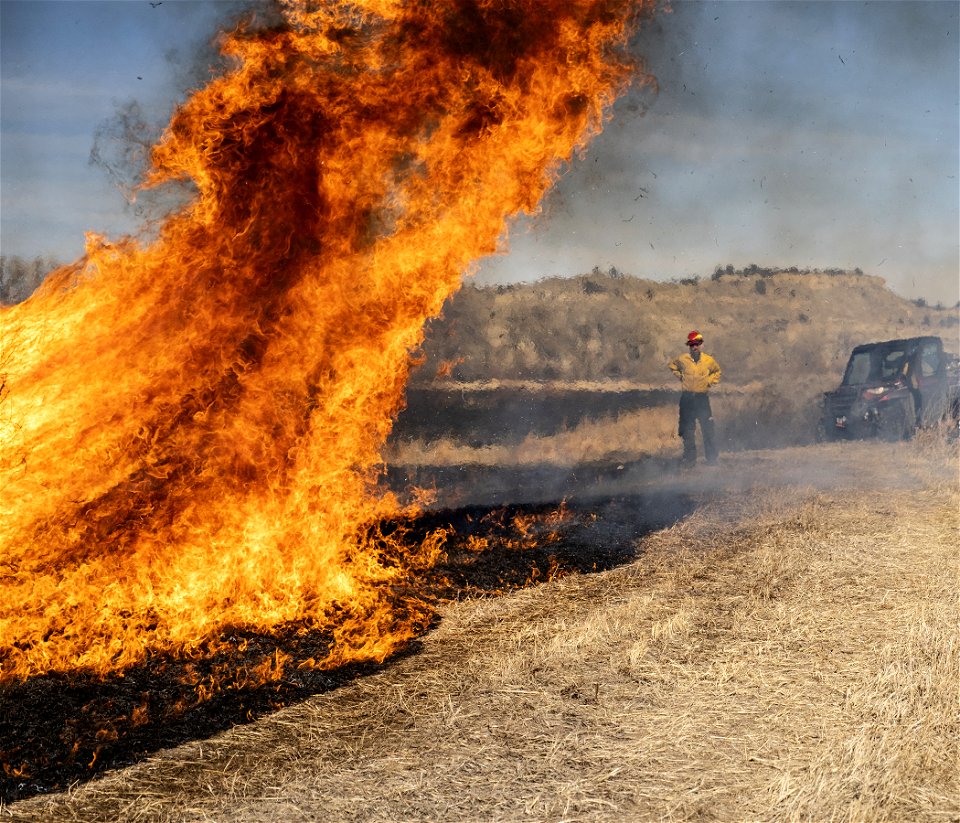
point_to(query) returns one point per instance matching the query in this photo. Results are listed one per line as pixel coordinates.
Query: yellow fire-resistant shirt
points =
(696, 377)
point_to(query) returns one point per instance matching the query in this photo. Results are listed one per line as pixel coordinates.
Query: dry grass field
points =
(771, 639)
(788, 651)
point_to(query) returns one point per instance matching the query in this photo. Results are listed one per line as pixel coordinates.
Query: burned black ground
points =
(58, 730)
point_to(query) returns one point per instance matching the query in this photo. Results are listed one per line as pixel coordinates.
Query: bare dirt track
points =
(786, 649)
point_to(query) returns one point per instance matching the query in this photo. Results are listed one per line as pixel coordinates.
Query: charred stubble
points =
(58, 730)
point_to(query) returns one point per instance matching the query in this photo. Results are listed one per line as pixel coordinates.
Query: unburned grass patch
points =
(629, 435)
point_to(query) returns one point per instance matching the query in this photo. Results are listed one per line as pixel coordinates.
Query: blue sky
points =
(811, 134)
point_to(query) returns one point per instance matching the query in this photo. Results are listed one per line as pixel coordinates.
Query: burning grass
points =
(193, 534)
(191, 425)
(58, 729)
(781, 653)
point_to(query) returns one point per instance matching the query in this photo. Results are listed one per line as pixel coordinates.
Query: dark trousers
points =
(696, 407)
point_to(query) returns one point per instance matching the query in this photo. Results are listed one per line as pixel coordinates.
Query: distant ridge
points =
(762, 325)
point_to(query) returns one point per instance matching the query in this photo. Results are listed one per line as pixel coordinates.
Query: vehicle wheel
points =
(898, 422)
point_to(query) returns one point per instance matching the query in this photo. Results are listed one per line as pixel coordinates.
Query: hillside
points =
(616, 328)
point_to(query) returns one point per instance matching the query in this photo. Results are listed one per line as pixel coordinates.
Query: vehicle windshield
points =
(875, 365)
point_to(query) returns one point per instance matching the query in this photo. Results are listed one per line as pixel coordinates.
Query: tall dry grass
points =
(627, 437)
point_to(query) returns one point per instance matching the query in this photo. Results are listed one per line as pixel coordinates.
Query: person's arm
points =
(675, 368)
(713, 377)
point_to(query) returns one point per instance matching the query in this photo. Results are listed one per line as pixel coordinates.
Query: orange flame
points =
(190, 428)
(446, 368)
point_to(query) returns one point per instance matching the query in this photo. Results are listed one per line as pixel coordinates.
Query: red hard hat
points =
(694, 337)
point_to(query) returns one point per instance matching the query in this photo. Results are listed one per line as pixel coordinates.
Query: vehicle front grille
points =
(840, 403)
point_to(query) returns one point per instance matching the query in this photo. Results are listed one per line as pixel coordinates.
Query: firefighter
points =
(697, 372)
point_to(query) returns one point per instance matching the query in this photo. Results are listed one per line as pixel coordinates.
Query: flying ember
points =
(191, 426)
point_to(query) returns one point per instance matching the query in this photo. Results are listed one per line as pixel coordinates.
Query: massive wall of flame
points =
(190, 426)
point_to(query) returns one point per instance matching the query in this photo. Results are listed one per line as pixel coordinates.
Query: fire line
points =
(190, 427)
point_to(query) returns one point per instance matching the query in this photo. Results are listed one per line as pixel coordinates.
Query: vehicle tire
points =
(898, 422)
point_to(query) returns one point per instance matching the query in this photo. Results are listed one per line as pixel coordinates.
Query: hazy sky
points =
(811, 134)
